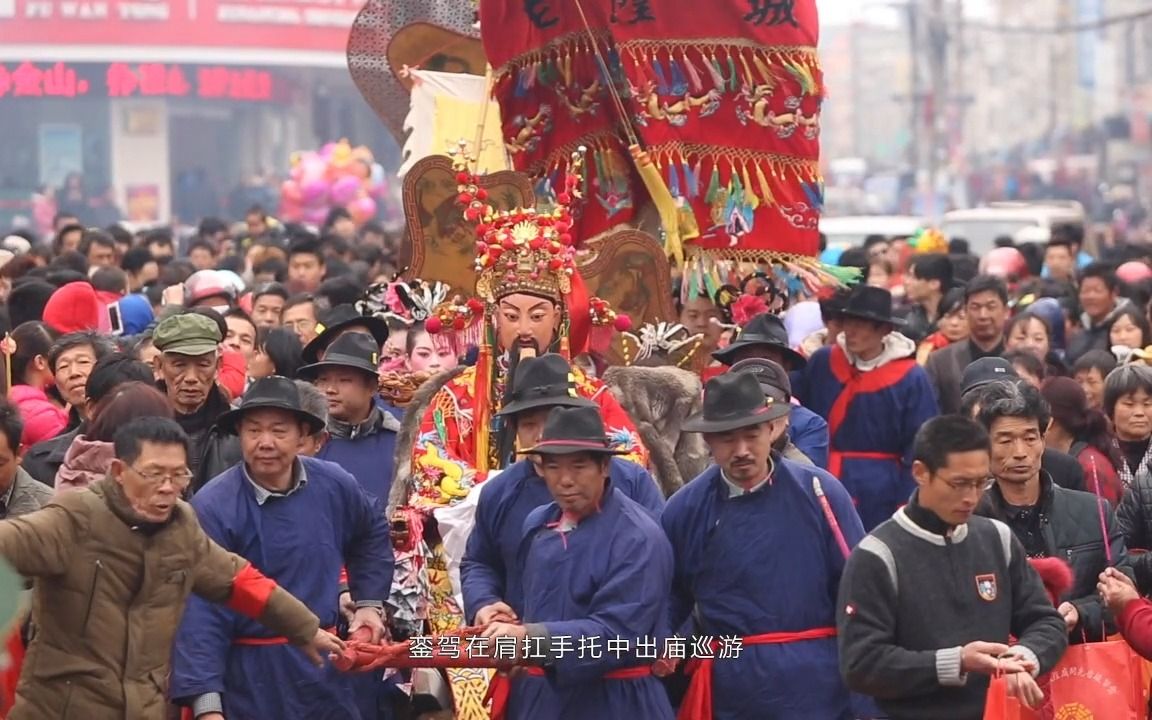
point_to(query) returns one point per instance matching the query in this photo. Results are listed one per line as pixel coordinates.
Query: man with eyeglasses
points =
(1048, 520)
(114, 567)
(299, 315)
(929, 600)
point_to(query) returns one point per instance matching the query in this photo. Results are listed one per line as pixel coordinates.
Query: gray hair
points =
(1012, 400)
(312, 400)
(1125, 380)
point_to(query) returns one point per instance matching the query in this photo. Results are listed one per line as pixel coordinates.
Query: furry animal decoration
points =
(658, 399)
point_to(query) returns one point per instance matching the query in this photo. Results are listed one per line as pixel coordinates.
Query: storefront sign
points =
(120, 80)
(309, 25)
(143, 202)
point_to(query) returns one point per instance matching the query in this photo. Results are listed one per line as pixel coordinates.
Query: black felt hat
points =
(870, 303)
(544, 381)
(570, 430)
(764, 329)
(732, 401)
(339, 319)
(354, 350)
(270, 393)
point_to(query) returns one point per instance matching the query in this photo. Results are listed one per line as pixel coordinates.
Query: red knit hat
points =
(1056, 575)
(75, 307)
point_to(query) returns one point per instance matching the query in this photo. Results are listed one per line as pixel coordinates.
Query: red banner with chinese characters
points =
(724, 96)
(155, 80)
(176, 25)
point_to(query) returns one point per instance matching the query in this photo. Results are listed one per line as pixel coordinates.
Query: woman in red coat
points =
(1083, 433)
(1133, 613)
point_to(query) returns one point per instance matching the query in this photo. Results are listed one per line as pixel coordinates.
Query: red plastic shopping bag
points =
(1102, 681)
(11, 675)
(998, 705)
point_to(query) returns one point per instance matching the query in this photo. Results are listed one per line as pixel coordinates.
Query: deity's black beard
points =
(520, 349)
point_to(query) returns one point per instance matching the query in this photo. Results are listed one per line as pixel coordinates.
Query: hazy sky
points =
(840, 12)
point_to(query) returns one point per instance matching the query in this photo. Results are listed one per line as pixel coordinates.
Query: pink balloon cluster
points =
(339, 175)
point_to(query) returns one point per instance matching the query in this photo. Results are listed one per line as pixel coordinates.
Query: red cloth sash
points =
(856, 382)
(697, 703)
(500, 687)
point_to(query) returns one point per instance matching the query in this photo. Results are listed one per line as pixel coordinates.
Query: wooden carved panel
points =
(440, 244)
(631, 271)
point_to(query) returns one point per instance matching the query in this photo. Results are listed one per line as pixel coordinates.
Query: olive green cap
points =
(187, 334)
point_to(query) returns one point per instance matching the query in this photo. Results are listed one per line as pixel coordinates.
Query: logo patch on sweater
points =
(986, 587)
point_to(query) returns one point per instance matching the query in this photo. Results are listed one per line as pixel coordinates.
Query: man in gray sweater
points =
(929, 599)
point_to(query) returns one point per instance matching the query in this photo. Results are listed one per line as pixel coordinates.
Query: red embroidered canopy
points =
(723, 96)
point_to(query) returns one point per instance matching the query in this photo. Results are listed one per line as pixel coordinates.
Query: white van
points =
(1022, 221)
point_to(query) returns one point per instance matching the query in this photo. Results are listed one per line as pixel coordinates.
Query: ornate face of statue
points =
(523, 319)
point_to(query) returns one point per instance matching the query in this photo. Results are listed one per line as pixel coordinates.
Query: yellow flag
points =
(458, 118)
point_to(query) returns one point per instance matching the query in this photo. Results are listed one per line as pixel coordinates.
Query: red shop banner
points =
(288, 25)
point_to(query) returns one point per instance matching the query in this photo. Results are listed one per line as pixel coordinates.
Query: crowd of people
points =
(218, 453)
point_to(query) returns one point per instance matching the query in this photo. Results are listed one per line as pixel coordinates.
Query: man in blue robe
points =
(759, 544)
(596, 580)
(875, 397)
(489, 574)
(361, 436)
(764, 337)
(299, 520)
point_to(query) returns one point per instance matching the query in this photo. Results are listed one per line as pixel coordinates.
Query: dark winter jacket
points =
(1069, 528)
(1064, 469)
(212, 451)
(1093, 336)
(917, 326)
(43, 460)
(945, 369)
(1134, 519)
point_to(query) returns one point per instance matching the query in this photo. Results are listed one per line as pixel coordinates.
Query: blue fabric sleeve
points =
(482, 570)
(643, 489)
(368, 548)
(810, 436)
(204, 638)
(200, 653)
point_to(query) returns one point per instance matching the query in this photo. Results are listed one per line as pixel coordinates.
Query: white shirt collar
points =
(735, 490)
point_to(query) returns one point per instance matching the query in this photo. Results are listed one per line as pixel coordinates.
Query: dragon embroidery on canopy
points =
(675, 114)
(530, 130)
(587, 104)
(757, 98)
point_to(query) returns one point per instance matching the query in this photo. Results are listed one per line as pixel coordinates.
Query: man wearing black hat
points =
(874, 397)
(765, 337)
(774, 382)
(300, 520)
(597, 570)
(340, 321)
(362, 437)
(490, 573)
(759, 543)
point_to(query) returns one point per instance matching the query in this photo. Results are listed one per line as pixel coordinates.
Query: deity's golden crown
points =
(521, 250)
